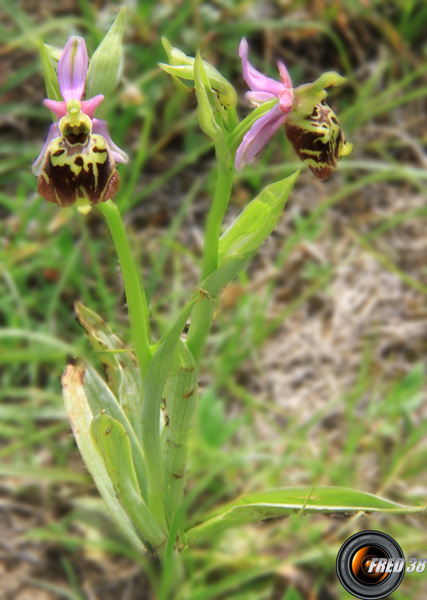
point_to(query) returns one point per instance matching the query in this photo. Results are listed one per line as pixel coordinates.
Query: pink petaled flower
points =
(263, 89)
(311, 125)
(72, 71)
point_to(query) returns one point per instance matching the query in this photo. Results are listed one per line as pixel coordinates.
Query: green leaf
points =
(50, 75)
(106, 65)
(154, 384)
(236, 248)
(101, 398)
(226, 272)
(283, 502)
(242, 239)
(180, 397)
(122, 371)
(112, 442)
(256, 222)
(80, 415)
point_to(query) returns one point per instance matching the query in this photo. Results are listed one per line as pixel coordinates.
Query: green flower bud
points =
(209, 110)
(106, 64)
(182, 66)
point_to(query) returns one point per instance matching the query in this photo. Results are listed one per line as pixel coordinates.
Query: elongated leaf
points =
(80, 415)
(100, 398)
(121, 369)
(112, 442)
(180, 398)
(283, 502)
(257, 221)
(154, 384)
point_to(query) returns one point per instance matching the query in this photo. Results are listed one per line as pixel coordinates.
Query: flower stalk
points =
(134, 290)
(203, 312)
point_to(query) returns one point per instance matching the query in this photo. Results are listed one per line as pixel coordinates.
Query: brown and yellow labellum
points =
(318, 140)
(78, 167)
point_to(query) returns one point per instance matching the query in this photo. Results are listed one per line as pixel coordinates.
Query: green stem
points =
(200, 327)
(135, 296)
(223, 186)
(202, 315)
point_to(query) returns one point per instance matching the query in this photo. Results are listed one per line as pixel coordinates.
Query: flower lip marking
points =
(80, 172)
(318, 140)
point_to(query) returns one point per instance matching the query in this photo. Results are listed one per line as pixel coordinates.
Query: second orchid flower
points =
(310, 124)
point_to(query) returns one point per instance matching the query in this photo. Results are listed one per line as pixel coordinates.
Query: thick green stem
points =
(135, 296)
(202, 315)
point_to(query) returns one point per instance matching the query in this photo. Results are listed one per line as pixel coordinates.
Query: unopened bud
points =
(106, 64)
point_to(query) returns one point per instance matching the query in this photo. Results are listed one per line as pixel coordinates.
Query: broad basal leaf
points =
(112, 442)
(80, 415)
(101, 398)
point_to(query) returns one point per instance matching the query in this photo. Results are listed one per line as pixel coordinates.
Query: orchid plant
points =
(133, 410)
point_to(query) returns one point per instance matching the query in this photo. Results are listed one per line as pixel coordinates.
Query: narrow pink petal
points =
(258, 135)
(285, 101)
(52, 134)
(72, 69)
(58, 108)
(256, 80)
(100, 127)
(258, 98)
(89, 106)
(285, 78)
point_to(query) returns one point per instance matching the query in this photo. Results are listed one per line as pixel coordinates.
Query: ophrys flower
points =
(77, 161)
(311, 125)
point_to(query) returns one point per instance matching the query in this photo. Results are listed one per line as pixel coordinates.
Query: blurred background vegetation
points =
(315, 372)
